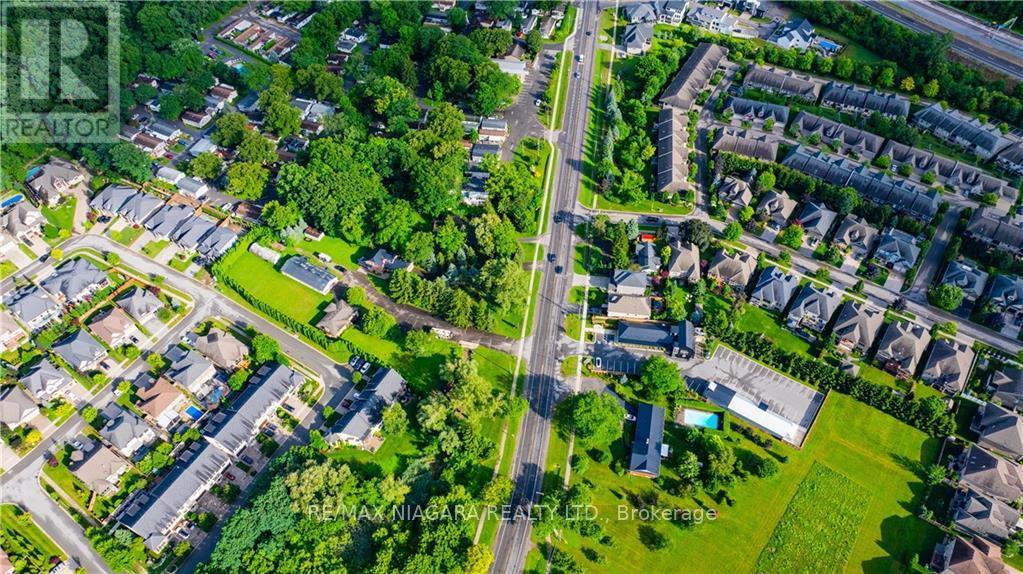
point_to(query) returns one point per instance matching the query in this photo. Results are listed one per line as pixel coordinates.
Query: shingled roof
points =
(694, 76)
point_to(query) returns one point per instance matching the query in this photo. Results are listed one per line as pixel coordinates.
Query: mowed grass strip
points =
(819, 527)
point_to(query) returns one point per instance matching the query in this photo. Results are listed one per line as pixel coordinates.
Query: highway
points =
(975, 40)
(541, 387)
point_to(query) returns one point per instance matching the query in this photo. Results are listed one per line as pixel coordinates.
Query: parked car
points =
(365, 367)
(558, 269)
(248, 460)
(346, 403)
(355, 362)
(229, 476)
(551, 257)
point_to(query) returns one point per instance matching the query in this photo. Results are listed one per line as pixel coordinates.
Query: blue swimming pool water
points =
(701, 419)
(32, 172)
(193, 412)
(12, 200)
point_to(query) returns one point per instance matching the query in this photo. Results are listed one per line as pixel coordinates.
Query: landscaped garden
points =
(28, 548)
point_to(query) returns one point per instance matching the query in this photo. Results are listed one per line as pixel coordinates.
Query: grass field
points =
(61, 217)
(127, 235)
(757, 320)
(7, 268)
(24, 542)
(267, 284)
(874, 451)
(589, 260)
(153, 248)
(564, 64)
(819, 527)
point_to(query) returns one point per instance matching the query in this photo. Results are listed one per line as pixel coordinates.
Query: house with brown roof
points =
(160, 400)
(114, 327)
(97, 466)
(734, 270)
(337, 316)
(221, 347)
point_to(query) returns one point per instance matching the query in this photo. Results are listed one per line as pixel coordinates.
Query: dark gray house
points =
(648, 443)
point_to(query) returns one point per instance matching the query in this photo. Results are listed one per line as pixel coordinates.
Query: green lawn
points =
(24, 542)
(573, 326)
(564, 64)
(127, 235)
(879, 454)
(589, 260)
(510, 324)
(7, 268)
(875, 375)
(59, 219)
(178, 263)
(566, 26)
(267, 284)
(601, 72)
(339, 250)
(153, 248)
(757, 320)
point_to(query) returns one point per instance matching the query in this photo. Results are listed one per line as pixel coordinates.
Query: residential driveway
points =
(167, 254)
(14, 254)
(850, 265)
(894, 281)
(592, 281)
(81, 207)
(769, 235)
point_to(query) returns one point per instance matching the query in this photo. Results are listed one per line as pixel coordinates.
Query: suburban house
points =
(798, 34)
(337, 316)
(1011, 159)
(856, 327)
(999, 430)
(675, 339)
(125, 431)
(648, 446)
(998, 229)
(672, 11)
(732, 270)
(672, 152)
(745, 142)
(624, 282)
(159, 400)
(713, 19)
(1006, 387)
(647, 258)
(640, 12)
(1006, 294)
(233, 428)
(129, 203)
(948, 366)
(957, 555)
(163, 131)
(192, 187)
(855, 236)
(46, 382)
(196, 119)
(75, 280)
(853, 99)
(694, 75)
(223, 348)
(153, 514)
(757, 113)
(54, 180)
(360, 424)
(21, 221)
(188, 368)
(816, 221)
(735, 191)
(901, 348)
(480, 151)
(897, 250)
(81, 350)
(11, 334)
(637, 37)
(983, 516)
(169, 175)
(383, 263)
(628, 307)
(114, 327)
(154, 146)
(782, 82)
(140, 303)
(774, 289)
(684, 263)
(813, 308)
(98, 467)
(983, 140)
(967, 276)
(164, 222)
(16, 407)
(850, 140)
(33, 307)
(961, 177)
(992, 475)
(493, 130)
(301, 269)
(776, 207)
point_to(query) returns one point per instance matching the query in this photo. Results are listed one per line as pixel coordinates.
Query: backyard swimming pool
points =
(12, 200)
(704, 419)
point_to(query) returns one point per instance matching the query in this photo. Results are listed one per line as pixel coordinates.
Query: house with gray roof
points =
(636, 38)
(745, 142)
(853, 99)
(1006, 387)
(995, 228)
(735, 191)
(782, 82)
(110, 200)
(1011, 159)
(684, 263)
(999, 430)
(628, 307)
(675, 339)
(139, 207)
(21, 220)
(164, 222)
(363, 421)
(671, 12)
(980, 515)
(734, 270)
(813, 307)
(75, 280)
(168, 174)
(81, 350)
(712, 18)
(221, 347)
(301, 269)
(776, 207)
(337, 316)
(897, 250)
(757, 113)
(774, 289)
(1006, 293)
(98, 467)
(188, 368)
(648, 441)
(856, 236)
(640, 12)
(55, 180)
(983, 140)
(33, 306)
(140, 303)
(992, 475)
(959, 176)
(816, 221)
(797, 33)
(967, 276)
(153, 514)
(16, 407)
(948, 366)
(625, 282)
(11, 333)
(850, 140)
(125, 431)
(234, 427)
(192, 187)
(216, 243)
(647, 258)
(383, 263)
(901, 348)
(46, 381)
(672, 153)
(694, 76)
(856, 327)
(191, 230)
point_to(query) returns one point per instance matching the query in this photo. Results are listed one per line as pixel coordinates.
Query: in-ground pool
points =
(193, 412)
(33, 172)
(704, 419)
(12, 200)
